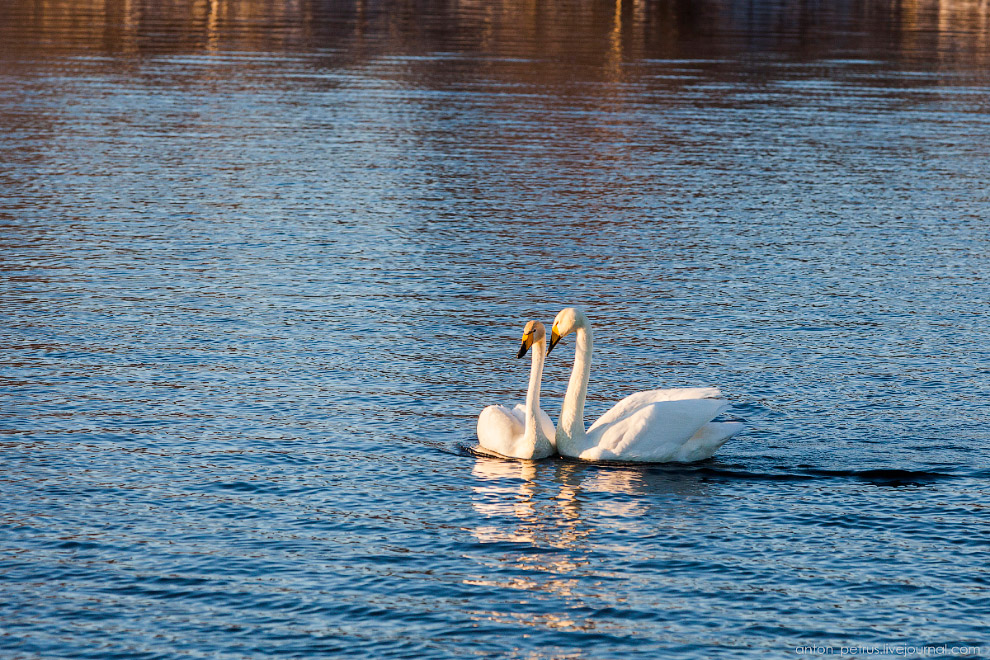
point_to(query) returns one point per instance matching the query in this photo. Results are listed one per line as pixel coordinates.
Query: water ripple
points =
(261, 265)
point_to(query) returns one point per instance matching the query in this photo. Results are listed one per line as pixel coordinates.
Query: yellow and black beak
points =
(554, 338)
(527, 341)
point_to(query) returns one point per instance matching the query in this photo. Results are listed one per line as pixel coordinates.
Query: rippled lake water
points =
(262, 264)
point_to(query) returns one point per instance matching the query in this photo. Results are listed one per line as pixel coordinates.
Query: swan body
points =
(523, 431)
(659, 426)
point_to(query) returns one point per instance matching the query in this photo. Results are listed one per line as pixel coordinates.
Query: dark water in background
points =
(261, 265)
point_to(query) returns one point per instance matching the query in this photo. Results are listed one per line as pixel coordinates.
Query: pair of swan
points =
(670, 425)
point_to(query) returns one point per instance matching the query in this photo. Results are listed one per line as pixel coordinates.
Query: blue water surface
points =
(262, 264)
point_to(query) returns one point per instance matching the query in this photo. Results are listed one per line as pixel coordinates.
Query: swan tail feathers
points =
(707, 441)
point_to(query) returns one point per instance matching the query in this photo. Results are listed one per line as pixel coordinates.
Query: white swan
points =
(524, 431)
(657, 426)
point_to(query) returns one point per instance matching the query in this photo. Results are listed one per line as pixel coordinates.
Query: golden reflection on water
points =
(542, 512)
(510, 489)
(494, 496)
(608, 35)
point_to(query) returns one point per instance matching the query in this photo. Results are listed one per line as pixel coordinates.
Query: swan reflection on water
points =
(552, 522)
(557, 504)
(523, 511)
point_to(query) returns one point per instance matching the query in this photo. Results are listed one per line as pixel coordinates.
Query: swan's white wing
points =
(499, 427)
(655, 432)
(634, 402)
(707, 440)
(502, 430)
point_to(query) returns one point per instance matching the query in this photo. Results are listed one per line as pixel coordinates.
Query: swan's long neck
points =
(534, 432)
(570, 428)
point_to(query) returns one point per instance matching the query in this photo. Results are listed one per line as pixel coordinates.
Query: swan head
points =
(532, 333)
(568, 320)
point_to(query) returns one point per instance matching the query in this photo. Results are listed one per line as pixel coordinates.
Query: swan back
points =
(634, 402)
(655, 432)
